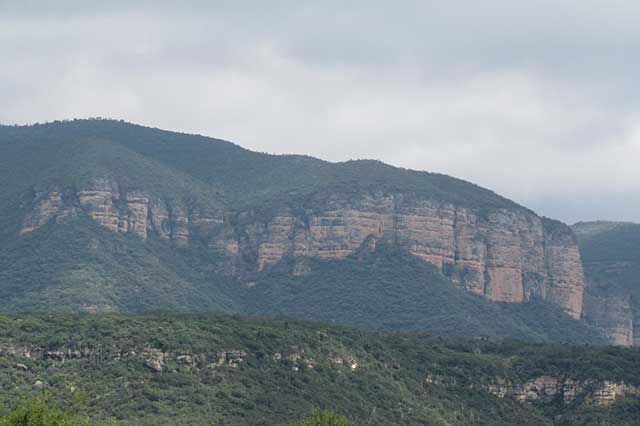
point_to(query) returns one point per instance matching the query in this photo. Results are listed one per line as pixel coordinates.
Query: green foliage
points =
(78, 265)
(611, 258)
(289, 368)
(392, 291)
(323, 418)
(36, 412)
(81, 265)
(211, 170)
(75, 265)
(609, 241)
(42, 411)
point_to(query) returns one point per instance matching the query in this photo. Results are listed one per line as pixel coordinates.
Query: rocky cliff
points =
(551, 388)
(508, 255)
(613, 315)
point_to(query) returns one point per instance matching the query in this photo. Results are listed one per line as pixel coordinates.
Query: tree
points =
(322, 418)
(40, 411)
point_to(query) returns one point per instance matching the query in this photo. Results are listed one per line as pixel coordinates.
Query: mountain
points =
(103, 215)
(384, 289)
(228, 370)
(611, 256)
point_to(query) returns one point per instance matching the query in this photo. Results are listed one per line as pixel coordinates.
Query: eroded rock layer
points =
(552, 388)
(613, 315)
(505, 255)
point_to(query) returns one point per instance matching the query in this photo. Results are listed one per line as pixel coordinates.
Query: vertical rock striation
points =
(508, 255)
(504, 255)
(113, 207)
(612, 314)
(45, 206)
(553, 388)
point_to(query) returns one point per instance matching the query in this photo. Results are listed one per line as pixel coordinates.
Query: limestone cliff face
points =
(116, 211)
(567, 390)
(120, 210)
(45, 206)
(564, 267)
(504, 255)
(612, 314)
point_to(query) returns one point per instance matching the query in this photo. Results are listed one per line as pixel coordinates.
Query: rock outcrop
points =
(550, 388)
(508, 255)
(612, 314)
(505, 255)
(119, 210)
(158, 361)
(46, 205)
(231, 358)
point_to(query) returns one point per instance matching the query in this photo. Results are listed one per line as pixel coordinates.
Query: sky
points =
(538, 100)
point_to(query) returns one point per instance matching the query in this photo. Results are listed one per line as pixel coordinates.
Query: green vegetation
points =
(611, 258)
(388, 290)
(80, 265)
(609, 241)
(205, 369)
(91, 148)
(322, 418)
(75, 265)
(41, 411)
(230, 370)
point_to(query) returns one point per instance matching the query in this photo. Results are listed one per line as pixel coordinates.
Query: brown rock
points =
(45, 207)
(612, 314)
(504, 255)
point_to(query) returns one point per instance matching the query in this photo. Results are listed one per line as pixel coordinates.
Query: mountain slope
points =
(194, 370)
(79, 266)
(123, 217)
(611, 255)
(384, 289)
(252, 178)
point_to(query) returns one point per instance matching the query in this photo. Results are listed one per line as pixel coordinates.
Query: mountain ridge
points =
(232, 214)
(105, 127)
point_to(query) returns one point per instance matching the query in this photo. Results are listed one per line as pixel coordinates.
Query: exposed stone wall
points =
(119, 210)
(612, 314)
(504, 255)
(45, 206)
(550, 388)
(158, 360)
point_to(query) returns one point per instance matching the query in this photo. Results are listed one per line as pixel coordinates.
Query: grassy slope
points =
(387, 388)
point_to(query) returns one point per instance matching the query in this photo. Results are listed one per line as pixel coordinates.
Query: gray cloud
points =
(536, 100)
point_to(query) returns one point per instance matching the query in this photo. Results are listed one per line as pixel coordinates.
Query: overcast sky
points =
(537, 100)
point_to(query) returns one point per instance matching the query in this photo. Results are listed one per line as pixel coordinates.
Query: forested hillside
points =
(195, 370)
(106, 216)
